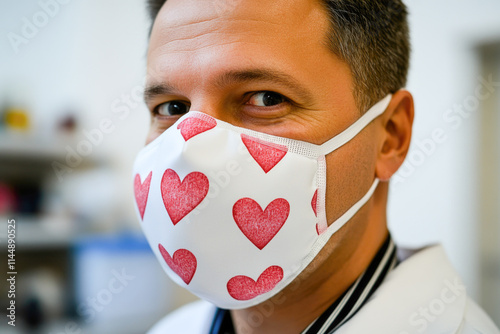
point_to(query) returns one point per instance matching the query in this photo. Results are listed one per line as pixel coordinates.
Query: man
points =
(259, 108)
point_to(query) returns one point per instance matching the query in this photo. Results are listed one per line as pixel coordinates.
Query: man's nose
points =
(217, 108)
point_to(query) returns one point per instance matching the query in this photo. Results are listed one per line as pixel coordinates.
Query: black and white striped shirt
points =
(345, 306)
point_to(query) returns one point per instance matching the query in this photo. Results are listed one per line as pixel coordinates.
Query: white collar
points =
(424, 294)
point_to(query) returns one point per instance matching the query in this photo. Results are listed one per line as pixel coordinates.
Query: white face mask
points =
(235, 215)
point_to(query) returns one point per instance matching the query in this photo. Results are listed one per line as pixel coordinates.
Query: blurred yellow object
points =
(17, 118)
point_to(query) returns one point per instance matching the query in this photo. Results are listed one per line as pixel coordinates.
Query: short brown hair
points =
(371, 36)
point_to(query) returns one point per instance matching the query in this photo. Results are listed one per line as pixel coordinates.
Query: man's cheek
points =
(157, 127)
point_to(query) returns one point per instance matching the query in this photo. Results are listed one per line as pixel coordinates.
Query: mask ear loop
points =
(333, 144)
(345, 136)
(336, 225)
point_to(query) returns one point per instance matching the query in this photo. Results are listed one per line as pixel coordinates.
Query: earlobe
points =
(396, 134)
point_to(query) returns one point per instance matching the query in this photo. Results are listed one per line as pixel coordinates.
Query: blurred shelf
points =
(40, 233)
(24, 156)
(23, 145)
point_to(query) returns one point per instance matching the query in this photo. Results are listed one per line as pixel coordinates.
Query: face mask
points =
(235, 215)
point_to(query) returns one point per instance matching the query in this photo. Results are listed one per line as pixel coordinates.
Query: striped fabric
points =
(345, 306)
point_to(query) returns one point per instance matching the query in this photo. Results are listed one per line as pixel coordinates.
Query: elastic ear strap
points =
(336, 225)
(355, 128)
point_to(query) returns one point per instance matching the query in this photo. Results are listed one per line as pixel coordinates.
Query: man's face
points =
(266, 66)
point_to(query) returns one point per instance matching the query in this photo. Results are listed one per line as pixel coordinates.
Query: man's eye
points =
(266, 99)
(172, 108)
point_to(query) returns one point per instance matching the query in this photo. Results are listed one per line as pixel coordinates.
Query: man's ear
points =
(395, 141)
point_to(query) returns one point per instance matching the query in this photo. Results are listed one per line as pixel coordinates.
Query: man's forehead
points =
(183, 16)
(198, 28)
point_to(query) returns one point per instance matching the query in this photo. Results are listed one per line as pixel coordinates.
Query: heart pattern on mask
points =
(244, 288)
(314, 202)
(260, 226)
(180, 198)
(183, 263)
(141, 192)
(193, 126)
(267, 155)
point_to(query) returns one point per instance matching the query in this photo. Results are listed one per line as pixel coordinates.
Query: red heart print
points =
(244, 288)
(259, 226)
(180, 198)
(183, 263)
(193, 126)
(318, 229)
(141, 192)
(314, 202)
(267, 155)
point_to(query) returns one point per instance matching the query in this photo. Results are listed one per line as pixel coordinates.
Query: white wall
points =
(86, 58)
(438, 201)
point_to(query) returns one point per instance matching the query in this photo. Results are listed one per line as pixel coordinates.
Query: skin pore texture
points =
(218, 59)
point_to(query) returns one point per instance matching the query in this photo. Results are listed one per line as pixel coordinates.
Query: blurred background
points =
(72, 120)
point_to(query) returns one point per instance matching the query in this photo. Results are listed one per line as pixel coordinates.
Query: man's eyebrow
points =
(266, 75)
(236, 77)
(150, 92)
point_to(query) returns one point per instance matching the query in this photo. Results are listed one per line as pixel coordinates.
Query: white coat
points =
(423, 294)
